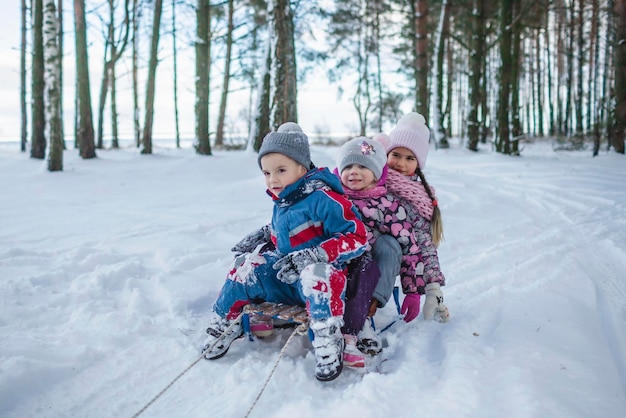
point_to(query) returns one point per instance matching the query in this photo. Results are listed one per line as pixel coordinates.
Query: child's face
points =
(357, 177)
(280, 171)
(402, 160)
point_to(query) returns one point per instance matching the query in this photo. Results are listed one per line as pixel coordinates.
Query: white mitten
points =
(433, 306)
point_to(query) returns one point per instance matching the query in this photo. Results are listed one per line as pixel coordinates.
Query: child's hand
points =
(433, 306)
(410, 306)
(373, 308)
(290, 266)
(252, 240)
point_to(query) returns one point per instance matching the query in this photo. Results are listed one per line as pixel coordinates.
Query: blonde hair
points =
(436, 223)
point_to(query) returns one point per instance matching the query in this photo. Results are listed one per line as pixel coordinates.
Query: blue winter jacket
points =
(313, 211)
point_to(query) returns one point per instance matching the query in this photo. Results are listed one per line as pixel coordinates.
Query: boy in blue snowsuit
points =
(316, 231)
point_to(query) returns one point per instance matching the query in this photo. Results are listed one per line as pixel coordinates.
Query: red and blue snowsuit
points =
(310, 212)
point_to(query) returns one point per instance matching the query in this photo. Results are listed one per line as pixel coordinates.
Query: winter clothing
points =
(352, 356)
(290, 266)
(411, 132)
(410, 306)
(253, 240)
(288, 140)
(222, 332)
(363, 151)
(419, 212)
(433, 306)
(384, 214)
(328, 344)
(316, 232)
(388, 255)
(412, 190)
(363, 274)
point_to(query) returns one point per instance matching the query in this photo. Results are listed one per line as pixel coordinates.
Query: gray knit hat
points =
(363, 151)
(288, 140)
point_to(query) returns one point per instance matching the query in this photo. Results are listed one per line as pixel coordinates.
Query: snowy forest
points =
(486, 72)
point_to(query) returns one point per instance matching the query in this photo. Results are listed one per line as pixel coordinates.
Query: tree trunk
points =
(419, 23)
(136, 17)
(476, 65)
(503, 141)
(38, 134)
(219, 135)
(60, 44)
(203, 60)
(150, 85)
(441, 138)
(579, 136)
(23, 105)
(174, 56)
(285, 101)
(262, 120)
(53, 108)
(84, 131)
(516, 61)
(620, 76)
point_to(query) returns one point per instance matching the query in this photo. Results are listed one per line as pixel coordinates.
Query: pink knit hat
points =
(411, 132)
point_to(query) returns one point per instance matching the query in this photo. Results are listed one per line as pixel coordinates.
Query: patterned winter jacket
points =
(313, 211)
(419, 206)
(383, 213)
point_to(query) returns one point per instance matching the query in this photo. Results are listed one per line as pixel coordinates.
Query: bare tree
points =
(203, 67)
(152, 65)
(419, 20)
(23, 106)
(620, 77)
(84, 120)
(52, 92)
(136, 19)
(38, 134)
(285, 100)
(175, 58)
(219, 134)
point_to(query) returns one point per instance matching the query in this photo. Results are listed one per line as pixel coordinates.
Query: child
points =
(316, 232)
(362, 169)
(407, 149)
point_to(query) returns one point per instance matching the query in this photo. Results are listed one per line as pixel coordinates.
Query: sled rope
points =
(196, 361)
(299, 330)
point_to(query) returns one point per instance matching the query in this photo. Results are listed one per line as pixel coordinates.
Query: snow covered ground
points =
(102, 266)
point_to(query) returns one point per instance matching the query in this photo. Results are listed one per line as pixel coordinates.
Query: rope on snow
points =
(196, 361)
(300, 330)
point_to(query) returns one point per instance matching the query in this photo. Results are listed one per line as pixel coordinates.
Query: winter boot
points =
(220, 336)
(328, 344)
(352, 357)
(261, 326)
(368, 341)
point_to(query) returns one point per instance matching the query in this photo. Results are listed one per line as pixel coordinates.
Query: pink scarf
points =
(412, 191)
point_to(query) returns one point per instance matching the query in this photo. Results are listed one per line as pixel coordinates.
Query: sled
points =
(284, 316)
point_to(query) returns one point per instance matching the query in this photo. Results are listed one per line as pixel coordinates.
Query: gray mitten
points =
(433, 306)
(252, 240)
(290, 266)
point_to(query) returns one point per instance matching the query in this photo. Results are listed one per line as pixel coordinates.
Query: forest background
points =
(228, 72)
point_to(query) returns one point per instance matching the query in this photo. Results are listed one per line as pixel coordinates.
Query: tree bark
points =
(38, 134)
(175, 58)
(503, 142)
(52, 96)
(285, 100)
(219, 135)
(23, 105)
(150, 84)
(84, 126)
(620, 76)
(419, 20)
(203, 60)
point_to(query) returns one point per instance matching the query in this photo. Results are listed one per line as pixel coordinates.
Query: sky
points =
(110, 267)
(326, 112)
